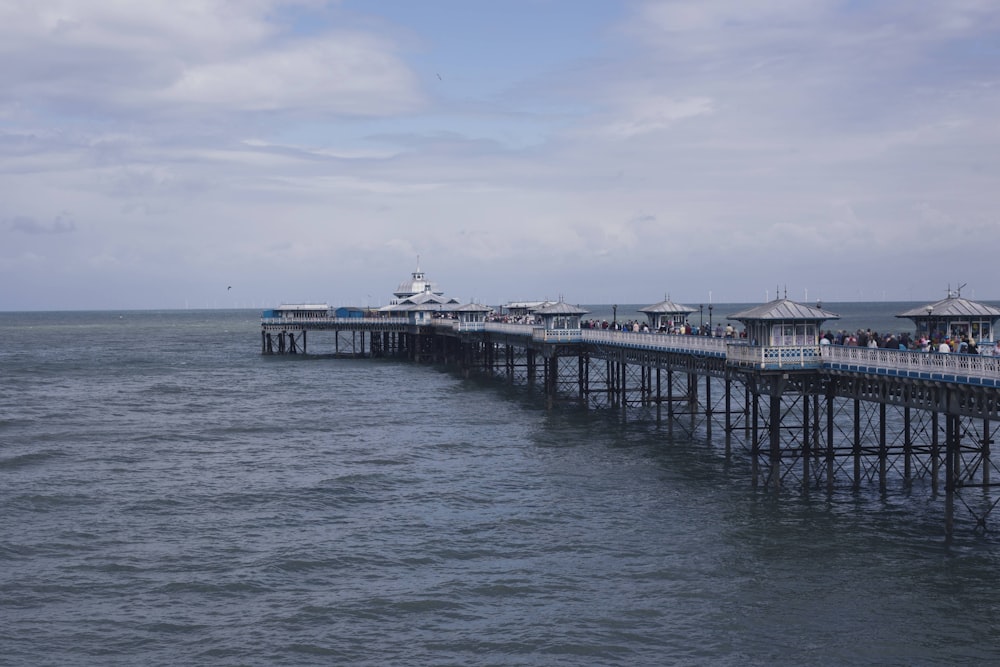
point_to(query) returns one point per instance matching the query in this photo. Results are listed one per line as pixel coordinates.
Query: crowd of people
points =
(635, 326)
(861, 338)
(939, 343)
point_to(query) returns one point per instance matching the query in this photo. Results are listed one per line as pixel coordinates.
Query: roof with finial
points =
(784, 310)
(667, 306)
(561, 308)
(417, 284)
(953, 306)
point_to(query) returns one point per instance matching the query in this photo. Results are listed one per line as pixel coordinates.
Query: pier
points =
(809, 415)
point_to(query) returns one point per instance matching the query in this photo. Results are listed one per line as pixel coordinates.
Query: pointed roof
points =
(561, 308)
(953, 306)
(472, 308)
(667, 306)
(784, 310)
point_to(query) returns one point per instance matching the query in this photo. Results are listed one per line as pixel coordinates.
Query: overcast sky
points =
(153, 154)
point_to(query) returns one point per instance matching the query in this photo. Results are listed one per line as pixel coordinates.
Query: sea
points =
(170, 496)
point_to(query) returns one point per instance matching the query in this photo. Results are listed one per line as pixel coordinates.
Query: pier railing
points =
(456, 325)
(766, 357)
(658, 342)
(556, 335)
(514, 329)
(927, 365)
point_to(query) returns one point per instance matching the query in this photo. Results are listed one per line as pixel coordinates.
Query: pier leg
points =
(659, 396)
(935, 452)
(829, 441)
(857, 445)
(951, 451)
(816, 431)
(774, 432)
(728, 383)
(670, 397)
(806, 442)
(708, 406)
(883, 454)
(985, 452)
(755, 442)
(552, 373)
(623, 388)
(907, 443)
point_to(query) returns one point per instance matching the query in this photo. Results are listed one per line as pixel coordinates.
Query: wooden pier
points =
(814, 417)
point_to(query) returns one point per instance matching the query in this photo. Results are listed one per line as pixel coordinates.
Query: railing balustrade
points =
(764, 357)
(514, 329)
(556, 335)
(907, 361)
(656, 341)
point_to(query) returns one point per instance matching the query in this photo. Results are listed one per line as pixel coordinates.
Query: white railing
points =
(515, 329)
(757, 356)
(443, 323)
(471, 326)
(556, 335)
(656, 341)
(935, 363)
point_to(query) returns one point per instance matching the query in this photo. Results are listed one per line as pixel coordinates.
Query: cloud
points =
(26, 225)
(309, 143)
(192, 56)
(656, 112)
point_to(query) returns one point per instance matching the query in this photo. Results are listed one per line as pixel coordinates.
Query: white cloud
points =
(656, 112)
(740, 139)
(198, 55)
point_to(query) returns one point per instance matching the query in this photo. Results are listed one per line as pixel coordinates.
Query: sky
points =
(248, 153)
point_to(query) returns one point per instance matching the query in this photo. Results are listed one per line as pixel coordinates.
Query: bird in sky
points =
(229, 288)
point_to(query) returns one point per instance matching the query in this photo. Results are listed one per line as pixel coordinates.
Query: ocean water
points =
(170, 496)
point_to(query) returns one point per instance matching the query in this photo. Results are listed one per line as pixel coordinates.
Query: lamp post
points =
(710, 317)
(614, 315)
(930, 329)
